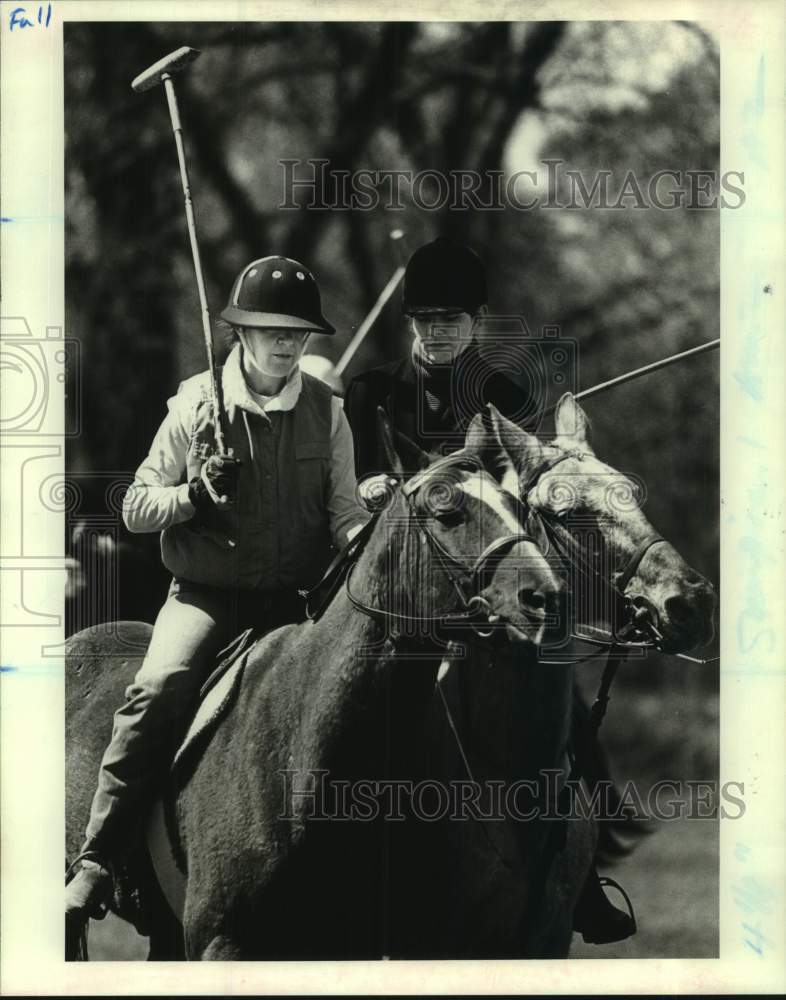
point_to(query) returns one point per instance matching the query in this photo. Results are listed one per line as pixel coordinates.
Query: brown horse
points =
(276, 866)
(446, 888)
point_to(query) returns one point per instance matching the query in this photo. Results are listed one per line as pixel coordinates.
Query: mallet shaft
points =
(397, 236)
(369, 321)
(174, 114)
(711, 345)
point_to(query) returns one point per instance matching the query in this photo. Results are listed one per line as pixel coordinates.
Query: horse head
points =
(565, 486)
(453, 511)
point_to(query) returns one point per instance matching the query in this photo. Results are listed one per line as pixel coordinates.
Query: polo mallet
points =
(161, 72)
(362, 331)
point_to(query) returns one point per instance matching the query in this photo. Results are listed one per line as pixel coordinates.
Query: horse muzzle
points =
(527, 613)
(680, 621)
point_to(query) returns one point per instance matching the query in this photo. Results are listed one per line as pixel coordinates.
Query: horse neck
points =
(373, 673)
(511, 711)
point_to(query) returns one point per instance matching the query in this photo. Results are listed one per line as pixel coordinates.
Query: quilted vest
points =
(277, 536)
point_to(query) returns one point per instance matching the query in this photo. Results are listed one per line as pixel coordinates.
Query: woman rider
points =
(241, 534)
(431, 396)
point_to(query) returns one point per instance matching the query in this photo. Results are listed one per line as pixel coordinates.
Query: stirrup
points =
(614, 884)
(623, 924)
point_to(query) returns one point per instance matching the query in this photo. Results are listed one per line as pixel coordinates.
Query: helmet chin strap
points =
(249, 357)
(248, 354)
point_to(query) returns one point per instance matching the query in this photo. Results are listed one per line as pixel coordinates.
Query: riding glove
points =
(216, 484)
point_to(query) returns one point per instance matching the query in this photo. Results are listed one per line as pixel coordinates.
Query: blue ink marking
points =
(759, 99)
(752, 897)
(752, 113)
(741, 851)
(760, 938)
(54, 217)
(33, 670)
(749, 374)
(753, 620)
(19, 18)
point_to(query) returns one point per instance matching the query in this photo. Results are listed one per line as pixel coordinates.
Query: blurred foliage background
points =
(630, 286)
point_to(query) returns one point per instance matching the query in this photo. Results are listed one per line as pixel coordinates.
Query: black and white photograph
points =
(389, 490)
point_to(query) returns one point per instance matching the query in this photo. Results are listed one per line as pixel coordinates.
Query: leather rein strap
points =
(337, 570)
(571, 552)
(475, 610)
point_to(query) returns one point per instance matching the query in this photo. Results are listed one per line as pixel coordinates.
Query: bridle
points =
(639, 620)
(467, 581)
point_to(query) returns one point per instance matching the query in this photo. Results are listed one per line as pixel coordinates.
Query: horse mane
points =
(399, 562)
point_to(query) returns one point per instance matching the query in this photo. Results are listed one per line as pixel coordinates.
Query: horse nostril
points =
(532, 600)
(707, 598)
(678, 609)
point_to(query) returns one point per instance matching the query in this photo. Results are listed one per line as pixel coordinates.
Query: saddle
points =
(216, 696)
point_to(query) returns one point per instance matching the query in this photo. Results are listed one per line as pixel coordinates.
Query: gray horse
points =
(515, 723)
(510, 885)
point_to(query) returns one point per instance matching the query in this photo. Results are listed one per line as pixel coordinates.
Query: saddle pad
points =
(171, 879)
(217, 695)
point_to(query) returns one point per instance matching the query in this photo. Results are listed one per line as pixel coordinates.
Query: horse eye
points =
(443, 509)
(442, 502)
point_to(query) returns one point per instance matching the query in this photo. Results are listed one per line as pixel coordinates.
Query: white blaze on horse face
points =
(510, 482)
(483, 489)
(584, 487)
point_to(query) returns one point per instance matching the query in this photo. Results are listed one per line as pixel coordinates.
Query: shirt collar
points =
(238, 394)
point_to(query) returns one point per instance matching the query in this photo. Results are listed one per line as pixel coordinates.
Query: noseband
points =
(476, 612)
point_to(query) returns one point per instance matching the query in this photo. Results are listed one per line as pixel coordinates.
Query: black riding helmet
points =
(444, 277)
(279, 294)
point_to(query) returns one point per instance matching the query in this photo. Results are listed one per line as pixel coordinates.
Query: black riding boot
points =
(596, 918)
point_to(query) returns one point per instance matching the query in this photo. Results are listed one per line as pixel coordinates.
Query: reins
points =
(466, 580)
(571, 553)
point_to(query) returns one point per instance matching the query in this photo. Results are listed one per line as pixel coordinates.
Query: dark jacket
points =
(400, 388)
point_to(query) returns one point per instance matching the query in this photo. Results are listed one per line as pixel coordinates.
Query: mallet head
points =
(173, 63)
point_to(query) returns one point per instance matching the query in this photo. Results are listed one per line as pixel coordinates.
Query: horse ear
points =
(571, 421)
(403, 455)
(524, 450)
(483, 439)
(412, 455)
(386, 439)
